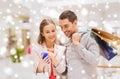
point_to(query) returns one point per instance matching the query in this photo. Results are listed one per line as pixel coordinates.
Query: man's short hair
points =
(68, 14)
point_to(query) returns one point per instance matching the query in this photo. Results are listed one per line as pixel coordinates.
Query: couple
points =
(80, 53)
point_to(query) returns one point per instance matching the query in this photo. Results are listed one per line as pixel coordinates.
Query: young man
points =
(82, 50)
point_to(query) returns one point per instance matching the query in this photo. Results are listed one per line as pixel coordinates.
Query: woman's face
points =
(49, 32)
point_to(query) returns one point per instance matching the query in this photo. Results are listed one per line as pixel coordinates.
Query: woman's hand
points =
(42, 63)
(54, 60)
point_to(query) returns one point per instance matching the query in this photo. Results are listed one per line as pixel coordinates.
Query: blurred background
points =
(19, 23)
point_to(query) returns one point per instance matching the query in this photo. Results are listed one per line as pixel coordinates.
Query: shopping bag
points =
(41, 76)
(108, 43)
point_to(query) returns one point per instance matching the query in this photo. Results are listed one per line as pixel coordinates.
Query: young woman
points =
(54, 62)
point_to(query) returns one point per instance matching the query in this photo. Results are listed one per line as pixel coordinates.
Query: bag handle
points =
(113, 40)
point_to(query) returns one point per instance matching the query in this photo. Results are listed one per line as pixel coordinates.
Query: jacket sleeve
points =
(61, 58)
(35, 57)
(89, 52)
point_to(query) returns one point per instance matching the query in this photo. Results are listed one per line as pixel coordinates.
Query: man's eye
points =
(53, 30)
(66, 26)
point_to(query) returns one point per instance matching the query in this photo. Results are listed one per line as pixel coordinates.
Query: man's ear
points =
(75, 22)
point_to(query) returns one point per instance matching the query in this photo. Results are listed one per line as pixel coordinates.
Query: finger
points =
(40, 55)
(46, 59)
(51, 54)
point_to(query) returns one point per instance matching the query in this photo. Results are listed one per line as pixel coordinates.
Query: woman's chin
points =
(52, 40)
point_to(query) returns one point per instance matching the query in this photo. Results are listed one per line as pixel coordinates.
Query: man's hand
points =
(76, 37)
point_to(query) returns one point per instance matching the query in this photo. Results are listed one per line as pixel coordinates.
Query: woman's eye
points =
(47, 32)
(53, 30)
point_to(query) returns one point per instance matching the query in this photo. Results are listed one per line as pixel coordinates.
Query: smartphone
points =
(45, 54)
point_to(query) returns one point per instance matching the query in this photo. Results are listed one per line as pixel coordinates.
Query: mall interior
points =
(19, 29)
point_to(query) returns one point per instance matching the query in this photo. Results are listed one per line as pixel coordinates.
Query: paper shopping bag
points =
(108, 43)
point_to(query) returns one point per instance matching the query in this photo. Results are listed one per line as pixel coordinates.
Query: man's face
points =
(67, 27)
